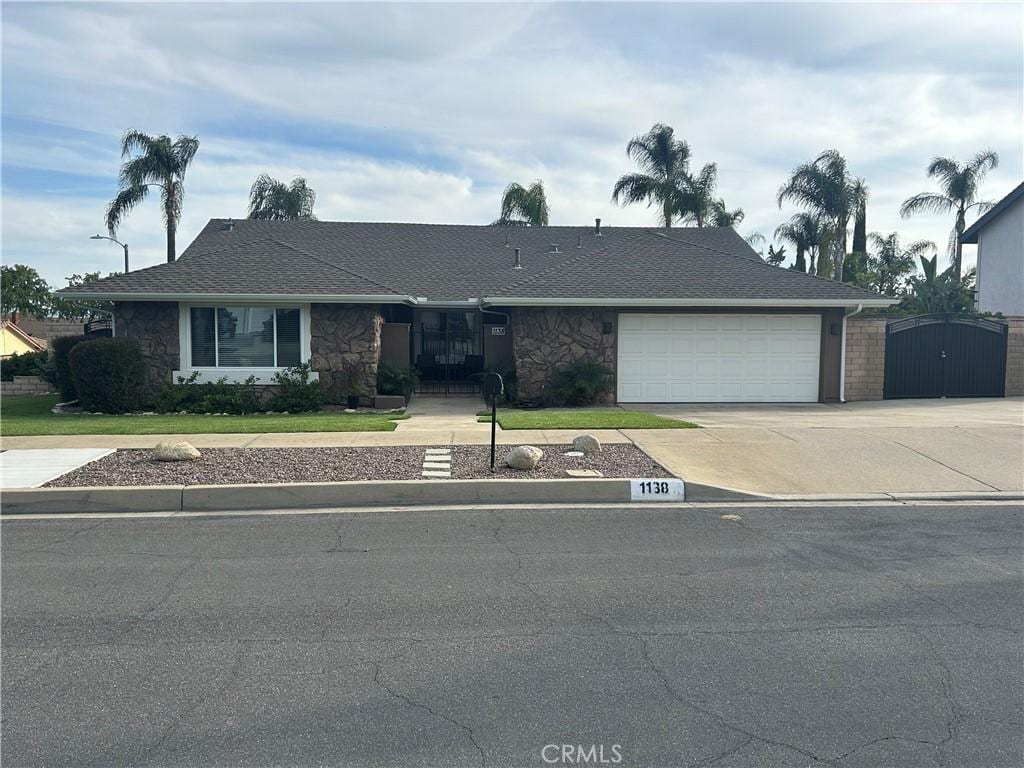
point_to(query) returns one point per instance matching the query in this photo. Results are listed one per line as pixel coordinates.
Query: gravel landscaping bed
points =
(229, 466)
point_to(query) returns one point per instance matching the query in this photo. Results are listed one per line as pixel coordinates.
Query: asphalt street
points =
(856, 636)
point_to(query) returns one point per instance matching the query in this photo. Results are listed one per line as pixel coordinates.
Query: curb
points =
(273, 496)
(263, 496)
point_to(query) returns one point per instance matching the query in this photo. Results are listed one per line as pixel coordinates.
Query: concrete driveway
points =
(877, 447)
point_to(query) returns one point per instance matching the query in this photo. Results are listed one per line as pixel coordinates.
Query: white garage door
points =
(667, 358)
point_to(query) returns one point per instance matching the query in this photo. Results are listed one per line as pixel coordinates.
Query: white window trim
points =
(264, 375)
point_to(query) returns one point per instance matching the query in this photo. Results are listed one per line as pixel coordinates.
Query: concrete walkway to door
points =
(443, 420)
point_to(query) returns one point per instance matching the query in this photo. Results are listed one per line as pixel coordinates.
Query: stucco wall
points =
(1015, 358)
(865, 358)
(342, 335)
(154, 324)
(545, 338)
(1001, 262)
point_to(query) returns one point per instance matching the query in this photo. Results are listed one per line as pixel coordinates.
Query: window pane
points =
(245, 337)
(202, 337)
(287, 337)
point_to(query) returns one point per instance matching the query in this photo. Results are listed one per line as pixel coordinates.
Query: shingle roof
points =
(442, 262)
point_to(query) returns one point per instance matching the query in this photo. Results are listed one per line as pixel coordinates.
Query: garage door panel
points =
(718, 358)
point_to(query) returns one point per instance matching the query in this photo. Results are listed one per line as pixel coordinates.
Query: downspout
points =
(842, 357)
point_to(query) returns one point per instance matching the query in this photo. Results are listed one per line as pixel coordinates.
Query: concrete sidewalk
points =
(921, 446)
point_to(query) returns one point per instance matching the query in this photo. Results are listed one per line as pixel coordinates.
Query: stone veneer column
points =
(154, 325)
(345, 335)
(865, 358)
(545, 338)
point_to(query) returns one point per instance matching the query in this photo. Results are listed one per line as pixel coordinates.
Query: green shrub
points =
(28, 364)
(393, 380)
(209, 397)
(581, 382)
(60, 348)
(109, 375)
(295, 391)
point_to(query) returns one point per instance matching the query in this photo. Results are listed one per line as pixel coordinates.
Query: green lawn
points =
(30, 415)
(582, 418)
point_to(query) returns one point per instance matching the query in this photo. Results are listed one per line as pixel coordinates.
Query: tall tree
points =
(524, 206)
(664, 162)
(824, 186)
(776, 257)
(860, 221)
(958, 191)
(803, 231)
(160, 163)
(23, 291)
(696, 201)
(273, 200)
(890, 264)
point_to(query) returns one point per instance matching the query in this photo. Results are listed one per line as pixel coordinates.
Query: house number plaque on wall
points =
(497, 330)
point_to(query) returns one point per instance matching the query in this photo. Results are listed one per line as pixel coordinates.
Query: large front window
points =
(244, 337)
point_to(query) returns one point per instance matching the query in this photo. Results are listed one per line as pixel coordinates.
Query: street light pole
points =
(123, 245)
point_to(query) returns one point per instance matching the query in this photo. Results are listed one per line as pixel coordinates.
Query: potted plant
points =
(351, 383)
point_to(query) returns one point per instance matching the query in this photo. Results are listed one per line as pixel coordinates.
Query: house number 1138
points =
(656, 490)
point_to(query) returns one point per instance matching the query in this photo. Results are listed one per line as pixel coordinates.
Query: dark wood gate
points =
(945, 356)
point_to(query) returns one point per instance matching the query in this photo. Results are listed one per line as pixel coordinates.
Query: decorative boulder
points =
(524, 457)
(175, 450)
(587, 443)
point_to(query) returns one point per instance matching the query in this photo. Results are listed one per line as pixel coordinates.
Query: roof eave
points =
(324, 298)
(528, 301)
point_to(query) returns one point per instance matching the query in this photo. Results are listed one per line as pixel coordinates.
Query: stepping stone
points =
(436, 465)
(439, 450)
(583, 473)
(435, 473)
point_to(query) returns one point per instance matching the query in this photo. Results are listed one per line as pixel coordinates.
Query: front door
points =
(448, 351)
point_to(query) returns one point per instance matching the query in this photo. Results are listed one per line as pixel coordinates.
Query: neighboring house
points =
(999, 235)
(17, 341)
(679, 315)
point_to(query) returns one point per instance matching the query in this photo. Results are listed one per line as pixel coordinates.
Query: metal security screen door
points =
(945, 356)
(448, 352)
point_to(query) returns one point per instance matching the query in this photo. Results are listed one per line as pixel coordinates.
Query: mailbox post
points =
(494, 387)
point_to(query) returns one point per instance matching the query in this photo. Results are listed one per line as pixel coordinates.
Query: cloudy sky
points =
(416, 112)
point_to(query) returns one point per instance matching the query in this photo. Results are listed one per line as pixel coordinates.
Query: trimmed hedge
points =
(60, 348)
(109, 374)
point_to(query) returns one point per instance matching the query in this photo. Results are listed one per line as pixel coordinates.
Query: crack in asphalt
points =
(77, 532)
(378, 666)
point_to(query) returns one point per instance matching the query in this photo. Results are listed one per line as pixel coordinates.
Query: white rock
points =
(524, 457)
(175, 450)
(587, 443)
(574, 454)
(584, 473)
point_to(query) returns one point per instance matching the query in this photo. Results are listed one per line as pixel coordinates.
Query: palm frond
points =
(122, 204)
(926, 202)
(634, 188)
(135, 141)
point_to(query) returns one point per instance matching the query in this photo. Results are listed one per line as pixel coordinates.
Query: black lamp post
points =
(123, 245)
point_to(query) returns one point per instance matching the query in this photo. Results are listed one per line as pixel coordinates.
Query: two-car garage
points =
(700, 358)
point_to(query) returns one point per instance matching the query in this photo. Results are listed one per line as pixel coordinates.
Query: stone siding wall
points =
(26, 385)
(1015, 357)
(154, 324)
(345, 336)
(545, 338)
(865, 358)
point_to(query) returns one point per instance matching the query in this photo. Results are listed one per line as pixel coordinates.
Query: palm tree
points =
(860, 221)
(723, 217)
(890, 264)
(273, 200)
(696, 201)
(161, 164)
(824, 186)
(776, 257)
(958, 185)
(755, 239)
(664, 162)
(803, 231)
(524, 207)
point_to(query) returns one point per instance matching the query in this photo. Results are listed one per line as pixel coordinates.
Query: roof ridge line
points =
(323, 261)
(665, 236)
